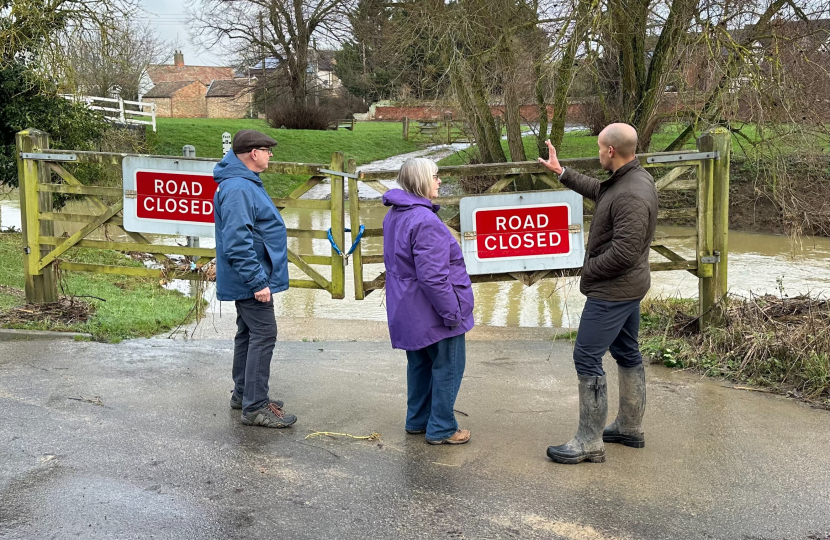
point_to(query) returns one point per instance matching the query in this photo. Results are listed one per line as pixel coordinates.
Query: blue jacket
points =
(251, 241)
(428, 291)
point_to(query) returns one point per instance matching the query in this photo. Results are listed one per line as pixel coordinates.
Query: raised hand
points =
(552, 164)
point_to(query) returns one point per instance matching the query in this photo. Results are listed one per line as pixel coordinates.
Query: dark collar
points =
(619, 173)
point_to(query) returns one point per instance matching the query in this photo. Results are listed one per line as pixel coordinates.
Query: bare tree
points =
(104, 58)
(254, 30)
(28, 27)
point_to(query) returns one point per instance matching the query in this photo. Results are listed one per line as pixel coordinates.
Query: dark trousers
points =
(605, 326)
(433, 377)
(253, 346)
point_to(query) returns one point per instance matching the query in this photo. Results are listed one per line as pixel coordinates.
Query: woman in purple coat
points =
(429, 302)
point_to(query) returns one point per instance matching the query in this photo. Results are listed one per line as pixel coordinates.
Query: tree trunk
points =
(566, 72)
(543, 110)
(513, 120)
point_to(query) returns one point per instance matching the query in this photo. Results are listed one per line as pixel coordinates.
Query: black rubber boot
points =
(587, 443)
(627, 429)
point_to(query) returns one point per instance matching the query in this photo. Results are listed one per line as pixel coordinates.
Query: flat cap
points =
(247, 139)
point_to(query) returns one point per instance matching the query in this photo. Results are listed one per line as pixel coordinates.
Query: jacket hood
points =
(232, 167)
(404, 199)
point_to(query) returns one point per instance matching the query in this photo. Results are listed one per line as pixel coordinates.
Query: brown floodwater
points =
(758, 264)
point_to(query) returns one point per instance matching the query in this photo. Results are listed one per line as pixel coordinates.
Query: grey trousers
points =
(253, 347)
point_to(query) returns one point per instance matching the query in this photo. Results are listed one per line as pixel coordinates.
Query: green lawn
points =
(580, 144)
(132, 307)
(370, 141)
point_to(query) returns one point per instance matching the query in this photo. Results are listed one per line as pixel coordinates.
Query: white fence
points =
(123, 112)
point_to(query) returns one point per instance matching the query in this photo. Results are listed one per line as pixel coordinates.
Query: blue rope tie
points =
(354, 244)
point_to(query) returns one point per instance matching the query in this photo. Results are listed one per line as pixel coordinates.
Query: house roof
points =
(167, 89)
(203, 74)
(228, 88)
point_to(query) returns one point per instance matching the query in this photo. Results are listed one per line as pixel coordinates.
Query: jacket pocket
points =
(463, 296)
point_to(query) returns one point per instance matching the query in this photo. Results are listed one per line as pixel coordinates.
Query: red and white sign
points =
(169, 195)
(522, 231)
(175, 196)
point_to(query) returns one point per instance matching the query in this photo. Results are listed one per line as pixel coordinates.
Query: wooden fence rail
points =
(39, 166)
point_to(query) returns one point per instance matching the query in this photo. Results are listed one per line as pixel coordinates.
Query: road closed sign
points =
(522, 232)
(169, 196)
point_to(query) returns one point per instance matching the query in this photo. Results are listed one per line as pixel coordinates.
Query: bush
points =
(26, 101)
(289, 115)
(591, 115)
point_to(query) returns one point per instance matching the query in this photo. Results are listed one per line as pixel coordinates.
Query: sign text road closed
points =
(168, 195)
(522, 232)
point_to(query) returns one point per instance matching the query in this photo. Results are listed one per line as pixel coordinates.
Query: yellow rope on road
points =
(372, 437)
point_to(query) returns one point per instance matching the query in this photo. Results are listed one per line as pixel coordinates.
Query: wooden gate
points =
(705, 171)
(44, 171)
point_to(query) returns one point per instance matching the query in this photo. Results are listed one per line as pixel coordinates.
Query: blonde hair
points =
(416, 175)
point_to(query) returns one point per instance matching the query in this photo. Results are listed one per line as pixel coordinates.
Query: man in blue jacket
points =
(251, 265)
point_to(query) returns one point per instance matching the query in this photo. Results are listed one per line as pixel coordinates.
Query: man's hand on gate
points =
(552, 164)
(264, 295)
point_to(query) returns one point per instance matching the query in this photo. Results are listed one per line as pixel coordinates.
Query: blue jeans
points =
(253, 347)
(605, 326)
(433, 377)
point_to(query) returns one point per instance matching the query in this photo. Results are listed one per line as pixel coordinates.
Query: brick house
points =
(182, 91)
(178, 99)
(178, 72)
(229, 98)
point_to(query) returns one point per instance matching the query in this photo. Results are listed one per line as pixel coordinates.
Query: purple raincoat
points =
(428, 291)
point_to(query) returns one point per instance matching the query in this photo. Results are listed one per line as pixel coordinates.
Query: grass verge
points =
(124, 307)
(778, 343)
(370, 141)
(579, 144)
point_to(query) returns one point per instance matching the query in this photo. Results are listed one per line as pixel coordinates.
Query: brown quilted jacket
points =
(616, 264)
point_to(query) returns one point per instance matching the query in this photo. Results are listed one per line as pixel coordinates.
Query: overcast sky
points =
(169, 20)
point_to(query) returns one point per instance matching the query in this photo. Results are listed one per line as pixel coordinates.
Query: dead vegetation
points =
(63, 313)
(769, 341)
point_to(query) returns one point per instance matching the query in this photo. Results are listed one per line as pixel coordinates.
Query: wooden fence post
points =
(406, 128)
(719, 140)
(338, 225)
(40, 285)
(705, 232)
(354, 224)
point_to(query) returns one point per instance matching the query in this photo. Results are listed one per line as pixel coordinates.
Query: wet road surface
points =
(163, 456)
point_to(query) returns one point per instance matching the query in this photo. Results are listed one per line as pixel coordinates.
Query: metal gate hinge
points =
(711, 259)
(574, 227)
(671, 158)
(48, 157)
(469, 235)
(130, 194)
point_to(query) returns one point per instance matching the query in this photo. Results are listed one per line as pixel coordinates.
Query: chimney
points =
(178, 59)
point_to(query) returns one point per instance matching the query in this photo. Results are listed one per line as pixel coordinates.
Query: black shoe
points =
(269, 416)
(236, 402)
(416, 431)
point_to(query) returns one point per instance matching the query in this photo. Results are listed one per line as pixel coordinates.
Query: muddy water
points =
(759, 263)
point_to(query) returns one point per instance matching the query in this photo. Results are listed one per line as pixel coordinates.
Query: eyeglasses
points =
(270, 152)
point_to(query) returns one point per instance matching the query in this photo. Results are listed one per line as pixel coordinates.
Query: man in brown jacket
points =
(615, 277)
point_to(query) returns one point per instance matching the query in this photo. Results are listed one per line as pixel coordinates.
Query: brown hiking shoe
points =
(459, 437)
(269, 416)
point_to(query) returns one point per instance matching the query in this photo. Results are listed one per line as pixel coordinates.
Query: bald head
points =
(622, 137)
